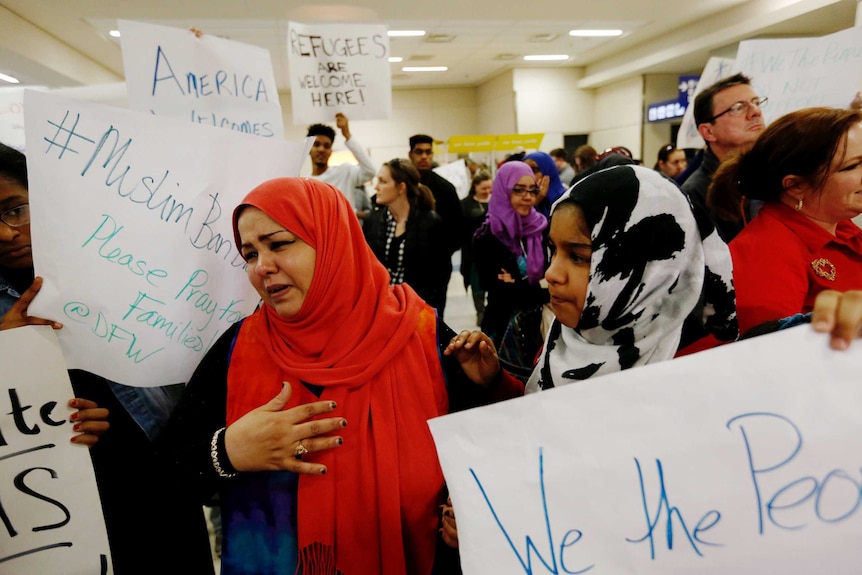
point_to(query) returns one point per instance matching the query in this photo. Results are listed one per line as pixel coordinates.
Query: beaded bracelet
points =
(217, 447)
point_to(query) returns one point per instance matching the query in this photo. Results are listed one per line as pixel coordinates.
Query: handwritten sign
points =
(744, 459)
(339, 68)
(131, 229)
(12, 116)
(716, 69)
(457, 174)
(798, 73)
(50, 515)
(208, 80)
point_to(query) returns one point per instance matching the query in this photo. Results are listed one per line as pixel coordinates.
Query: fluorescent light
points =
(10, 79)
(114, 33)
(394, 59)
(424, 69)
(546, 57)
(400, 33)
(595, 33)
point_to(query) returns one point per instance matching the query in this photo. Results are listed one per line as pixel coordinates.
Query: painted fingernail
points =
(339, 441)
(74, 416)
(332, 405)
(74, 439)
(76, 427)
(73, 403)
(343, 423)
(323, 471)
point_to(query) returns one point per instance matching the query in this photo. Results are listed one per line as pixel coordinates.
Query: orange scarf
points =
(373, 349)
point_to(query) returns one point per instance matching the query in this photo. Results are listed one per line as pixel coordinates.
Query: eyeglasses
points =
(520, 191)
(17, 216)
(740, 108)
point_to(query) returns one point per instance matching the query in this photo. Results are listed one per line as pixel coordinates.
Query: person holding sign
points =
(309, 416)
(345, 177)
(161, 521)
(806, 168)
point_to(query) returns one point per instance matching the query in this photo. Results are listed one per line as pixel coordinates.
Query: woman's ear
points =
(402, 188)
(793, 186)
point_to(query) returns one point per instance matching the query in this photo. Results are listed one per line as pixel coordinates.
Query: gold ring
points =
(299, 450)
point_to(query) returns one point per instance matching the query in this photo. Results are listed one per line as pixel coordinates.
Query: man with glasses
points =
(447, 203)
(729, 119)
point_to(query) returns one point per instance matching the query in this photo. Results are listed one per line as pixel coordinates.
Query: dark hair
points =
(801, 143)
(321, 130)
(587, 156)
(481, 176)
(666, 151)
(420, 139)
(703, 113)
(559, 153)
(404, 172)
(13, 166)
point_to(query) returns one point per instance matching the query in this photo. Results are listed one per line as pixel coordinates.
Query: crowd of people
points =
(307, 419)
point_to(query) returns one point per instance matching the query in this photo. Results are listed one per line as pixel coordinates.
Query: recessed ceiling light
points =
(399, 33)
(10, 79)
(544, 37)
(546, 57)
(424, 69)
(114, 33)
(595, 33)
(394, 59)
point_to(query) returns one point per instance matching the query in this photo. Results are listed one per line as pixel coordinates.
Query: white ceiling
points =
(66, 42)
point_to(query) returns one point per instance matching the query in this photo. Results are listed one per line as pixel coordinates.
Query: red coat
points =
(782, 260)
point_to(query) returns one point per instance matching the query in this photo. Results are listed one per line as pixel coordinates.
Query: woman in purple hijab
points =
(509, 249)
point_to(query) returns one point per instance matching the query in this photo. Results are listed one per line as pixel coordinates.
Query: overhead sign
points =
(131, 230)
(744, 459)
(339, 68)
(207, 80)
(50, 516)
(493, 142)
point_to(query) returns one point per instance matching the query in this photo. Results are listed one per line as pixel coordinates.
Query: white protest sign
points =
(131, 229)
(456, 173)
(743, 459)
(12, 116)
(50, 514)
(207, 80)
(339, 68)
(798, 73)
(716, 69)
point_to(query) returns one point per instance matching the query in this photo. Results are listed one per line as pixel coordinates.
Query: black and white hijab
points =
(653, 263)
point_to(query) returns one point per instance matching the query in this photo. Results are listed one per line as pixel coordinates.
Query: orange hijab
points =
(372, 347)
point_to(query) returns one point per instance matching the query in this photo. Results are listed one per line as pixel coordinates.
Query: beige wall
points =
(549, 101)
(618, 117)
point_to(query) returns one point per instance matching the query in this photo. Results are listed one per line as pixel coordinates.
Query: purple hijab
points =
(511, 228)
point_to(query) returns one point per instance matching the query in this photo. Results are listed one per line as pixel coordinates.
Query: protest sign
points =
(743, 459)
(457, 175)
(208, 80)
(49, 504)
(131, 229)
(716, 69)
(339, 68)
(12, 116)
(796, 73)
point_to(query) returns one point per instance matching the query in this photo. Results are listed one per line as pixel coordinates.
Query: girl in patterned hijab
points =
(630, 262)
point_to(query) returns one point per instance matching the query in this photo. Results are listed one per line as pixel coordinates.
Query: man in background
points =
(346, 177)
(567, 172)
(447, 203)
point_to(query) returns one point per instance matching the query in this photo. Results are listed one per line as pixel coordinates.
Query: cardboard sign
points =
(744, 459)
(339, 68)
(131, 229)
(50, 515)
(207, 80)
(798, 73)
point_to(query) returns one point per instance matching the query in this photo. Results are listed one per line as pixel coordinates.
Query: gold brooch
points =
(824, 268)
